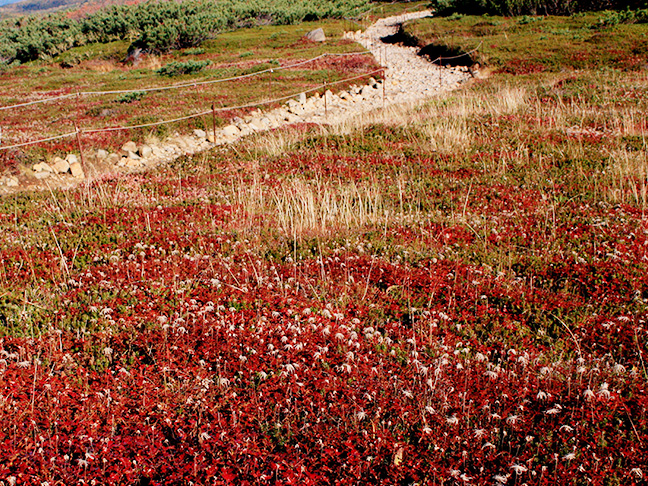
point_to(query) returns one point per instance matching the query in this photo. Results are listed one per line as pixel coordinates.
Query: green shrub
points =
(179, 68)
(131, 97)
(610, 19)
(196, 51)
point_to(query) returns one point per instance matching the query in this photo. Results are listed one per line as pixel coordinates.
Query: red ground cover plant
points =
(491, 329)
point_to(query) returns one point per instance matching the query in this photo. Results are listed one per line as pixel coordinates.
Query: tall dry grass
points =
(628, 177)
(301, 207)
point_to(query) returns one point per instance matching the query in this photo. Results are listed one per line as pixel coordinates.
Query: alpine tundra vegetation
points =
(453, 291)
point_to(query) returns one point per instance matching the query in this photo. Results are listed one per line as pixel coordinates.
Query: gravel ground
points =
(410, 77)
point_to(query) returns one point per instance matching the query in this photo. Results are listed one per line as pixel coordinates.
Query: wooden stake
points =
(384, 82)
(78, 137)
(325, 105)
(214, 121)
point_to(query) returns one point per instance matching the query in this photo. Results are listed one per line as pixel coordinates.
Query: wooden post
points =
(78, 137)
(325, 105)
(384, 82)
(214, 121)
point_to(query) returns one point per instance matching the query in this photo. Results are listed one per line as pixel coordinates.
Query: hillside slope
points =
(77, 8)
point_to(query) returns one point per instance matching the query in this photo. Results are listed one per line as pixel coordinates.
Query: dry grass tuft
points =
(628, 173)
(101, 66)
(303, 208)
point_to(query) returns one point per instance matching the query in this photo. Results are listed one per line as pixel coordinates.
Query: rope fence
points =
(187, 84)
(25, 144)
(213, 110)
(441, 58)
(195, 115)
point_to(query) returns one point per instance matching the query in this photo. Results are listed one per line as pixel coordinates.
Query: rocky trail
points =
(409, 78)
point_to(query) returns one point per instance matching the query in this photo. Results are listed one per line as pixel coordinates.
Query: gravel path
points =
(410, 77)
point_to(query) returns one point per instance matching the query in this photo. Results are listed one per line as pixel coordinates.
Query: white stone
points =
(290, 118)
(316, 35)
(102, 154)
(12, 182)
(231, 131)
(296, 109)
(71, 159)
(145, 151)
(76, 170)
(61, 166)
(129, 147)
(416, 78)
(42, 167)
(255, 125)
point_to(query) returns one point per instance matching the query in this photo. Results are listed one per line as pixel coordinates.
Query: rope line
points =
(187, 84)
(65, 135)
(195, 115)
(441, 58)
(201, 83)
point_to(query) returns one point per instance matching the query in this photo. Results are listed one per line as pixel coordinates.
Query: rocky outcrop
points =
(316, 35)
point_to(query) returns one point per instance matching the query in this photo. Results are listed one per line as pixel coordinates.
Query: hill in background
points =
(78, 8)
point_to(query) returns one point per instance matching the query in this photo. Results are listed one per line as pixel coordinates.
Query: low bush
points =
(177, 68)
(611, 18)
(131, 97)
(196, 51)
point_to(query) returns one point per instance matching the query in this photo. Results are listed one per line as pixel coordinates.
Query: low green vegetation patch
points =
(526, 44)
(179, 68)
(131, 97)
(196, 51)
